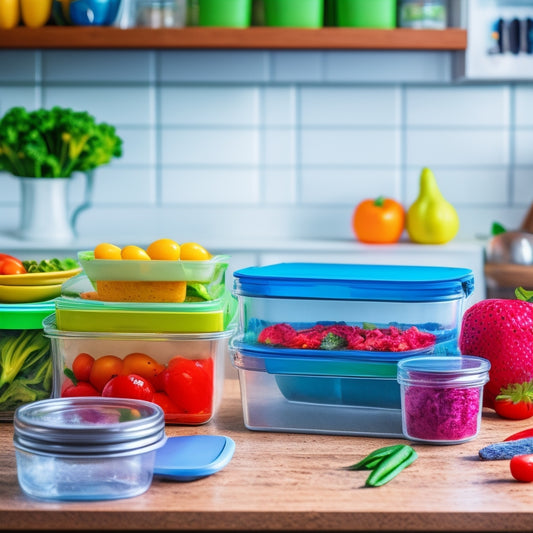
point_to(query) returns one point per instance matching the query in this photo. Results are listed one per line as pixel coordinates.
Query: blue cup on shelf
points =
(93, 12)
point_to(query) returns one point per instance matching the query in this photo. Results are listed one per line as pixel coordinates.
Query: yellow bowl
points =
(28, 293)
(39, 278)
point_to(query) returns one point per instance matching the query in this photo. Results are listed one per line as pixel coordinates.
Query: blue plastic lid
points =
(25, 315)
(190, 457)
(355, 282)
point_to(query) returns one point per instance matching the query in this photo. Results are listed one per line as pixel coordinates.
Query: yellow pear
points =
(431, 219)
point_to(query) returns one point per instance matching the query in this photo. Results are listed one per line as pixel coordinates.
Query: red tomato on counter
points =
(522, 467)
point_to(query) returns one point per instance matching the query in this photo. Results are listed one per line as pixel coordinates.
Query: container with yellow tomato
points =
(163, 272)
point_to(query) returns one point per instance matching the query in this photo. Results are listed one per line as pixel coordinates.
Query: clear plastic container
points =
(185, 371)
(442, 397)
(29, 375)
(87, 448)
(428, 14)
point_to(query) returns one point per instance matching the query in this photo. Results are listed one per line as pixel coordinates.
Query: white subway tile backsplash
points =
(524, 105)
(524, 147)
(306, 66)
(386, 67)
(457, 106)
(208, 186)
(119, 106)
(209, 106)
(279, 147)
(213, 66)
(523, 186)
(18, 96)
(93, 66)
(279, 186)
(279, 106)
(279, 144)
(125, 186)
(457, 147)
(210, 147)
(349, 106)
(348, 186)
(346, 146)
(18, 65)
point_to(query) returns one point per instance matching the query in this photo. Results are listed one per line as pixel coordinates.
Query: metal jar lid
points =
(89, 426)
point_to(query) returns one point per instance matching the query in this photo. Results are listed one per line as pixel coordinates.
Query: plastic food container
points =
(225, 13)
(317, 345)
(28, 375)
(422, 14)
(87, 448)
(366, 13)
(185, 372)
(152, 281)
(333, 393)
(294, 13)
(74, 313)
(442, 397)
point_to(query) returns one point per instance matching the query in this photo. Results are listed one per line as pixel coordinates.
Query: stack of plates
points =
(35, 287)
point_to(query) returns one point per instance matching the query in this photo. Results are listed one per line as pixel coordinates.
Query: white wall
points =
(279, 145)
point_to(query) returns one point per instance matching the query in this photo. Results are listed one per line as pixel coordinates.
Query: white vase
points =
(45, 214)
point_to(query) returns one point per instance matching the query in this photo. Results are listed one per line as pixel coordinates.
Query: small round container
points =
(442, 397)
(87, 448)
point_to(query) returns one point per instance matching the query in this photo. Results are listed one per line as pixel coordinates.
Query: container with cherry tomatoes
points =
(183, 373)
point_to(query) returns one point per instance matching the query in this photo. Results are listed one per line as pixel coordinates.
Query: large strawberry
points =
(501, 331)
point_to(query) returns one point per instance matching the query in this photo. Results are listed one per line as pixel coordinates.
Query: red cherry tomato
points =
(81, 366)
(82, 388)
(189, 384)
(11, 265)
(169, 407)
(130, 386)
(522, 468)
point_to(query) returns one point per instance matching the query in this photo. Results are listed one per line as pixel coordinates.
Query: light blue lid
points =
(355, 282)
(190, 457)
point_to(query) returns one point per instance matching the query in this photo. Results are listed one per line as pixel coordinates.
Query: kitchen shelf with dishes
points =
(275, 38)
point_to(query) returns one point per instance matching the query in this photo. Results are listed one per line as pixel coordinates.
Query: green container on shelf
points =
(366, 13)
(294, 13)
(225, 13)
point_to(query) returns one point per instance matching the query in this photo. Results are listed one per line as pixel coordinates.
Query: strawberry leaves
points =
(515, 401)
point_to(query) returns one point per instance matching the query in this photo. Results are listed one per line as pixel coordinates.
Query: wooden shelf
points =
(98, 37)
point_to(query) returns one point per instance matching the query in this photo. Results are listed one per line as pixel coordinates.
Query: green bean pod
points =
(390, 467)
(374, 458)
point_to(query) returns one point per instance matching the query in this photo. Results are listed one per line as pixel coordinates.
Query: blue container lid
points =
(332, 281)
(25, 315)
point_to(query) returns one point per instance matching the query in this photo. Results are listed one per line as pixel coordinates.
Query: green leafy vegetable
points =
(25, 368)
(50, 265)
(54, 143)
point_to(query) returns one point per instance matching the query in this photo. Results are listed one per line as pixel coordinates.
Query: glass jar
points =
(161, 13)
(442, 397)
(87, 448)
(430, 14)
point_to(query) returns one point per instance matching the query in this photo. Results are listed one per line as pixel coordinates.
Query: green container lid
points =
(25, 315)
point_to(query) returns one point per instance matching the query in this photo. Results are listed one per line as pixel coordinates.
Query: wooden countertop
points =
(290, 481)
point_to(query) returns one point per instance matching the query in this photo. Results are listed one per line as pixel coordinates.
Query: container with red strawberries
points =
(318, 345)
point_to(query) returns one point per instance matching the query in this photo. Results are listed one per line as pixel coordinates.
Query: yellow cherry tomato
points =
(134, 252)
(105, 250)
(164, 249)
(192, 251)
